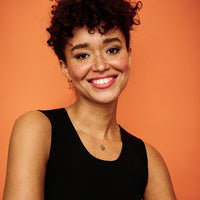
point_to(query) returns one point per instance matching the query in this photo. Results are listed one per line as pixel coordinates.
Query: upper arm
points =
(28, 154)
(159, 185)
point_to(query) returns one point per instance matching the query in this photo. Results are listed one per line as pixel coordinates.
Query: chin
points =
(105, 98)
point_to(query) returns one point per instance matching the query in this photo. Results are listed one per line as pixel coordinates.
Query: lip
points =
(103, 81)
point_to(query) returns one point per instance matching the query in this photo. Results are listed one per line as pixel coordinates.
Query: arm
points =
(159, 185)
(28, 154)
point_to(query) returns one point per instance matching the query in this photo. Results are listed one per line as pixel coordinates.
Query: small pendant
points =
(102, 147)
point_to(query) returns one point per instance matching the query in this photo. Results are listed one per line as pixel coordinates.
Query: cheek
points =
(120, 64)
(78, 71)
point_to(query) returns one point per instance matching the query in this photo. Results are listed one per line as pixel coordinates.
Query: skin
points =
(100, 56)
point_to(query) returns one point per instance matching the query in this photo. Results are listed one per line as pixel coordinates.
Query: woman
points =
(80, 152)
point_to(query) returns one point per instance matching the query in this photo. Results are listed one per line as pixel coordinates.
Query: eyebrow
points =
(109, 40)
(84, 45)
(79, 46)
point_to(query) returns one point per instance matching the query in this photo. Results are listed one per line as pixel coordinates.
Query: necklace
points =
(102, 147)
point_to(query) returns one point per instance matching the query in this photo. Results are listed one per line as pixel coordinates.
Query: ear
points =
(64, 68)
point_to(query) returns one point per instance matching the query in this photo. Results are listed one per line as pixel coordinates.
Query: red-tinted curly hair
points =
(69, 14)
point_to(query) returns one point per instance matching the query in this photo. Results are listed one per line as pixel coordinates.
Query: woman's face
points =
(97, 64)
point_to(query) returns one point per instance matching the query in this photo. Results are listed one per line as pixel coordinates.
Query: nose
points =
(100, 63)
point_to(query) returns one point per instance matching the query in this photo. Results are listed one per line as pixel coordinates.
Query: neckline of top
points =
(121, 155)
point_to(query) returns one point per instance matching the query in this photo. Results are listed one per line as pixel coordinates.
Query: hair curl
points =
(69, 14)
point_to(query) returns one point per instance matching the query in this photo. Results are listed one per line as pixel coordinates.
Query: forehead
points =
(82, 35)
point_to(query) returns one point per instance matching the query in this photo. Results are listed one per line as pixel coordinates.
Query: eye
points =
(113, 50)
(82, 56)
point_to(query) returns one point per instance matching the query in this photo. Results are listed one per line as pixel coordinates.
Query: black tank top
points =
(72, 173)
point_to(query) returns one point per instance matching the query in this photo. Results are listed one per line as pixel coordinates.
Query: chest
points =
(107, 150)
(73, 170)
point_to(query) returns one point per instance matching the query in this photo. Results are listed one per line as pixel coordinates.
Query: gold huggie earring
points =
(70, 83)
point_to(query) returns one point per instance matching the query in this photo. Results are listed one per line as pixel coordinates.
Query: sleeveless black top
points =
(73, 173)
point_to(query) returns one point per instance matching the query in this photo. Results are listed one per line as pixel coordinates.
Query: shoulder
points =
(153, 155)
(33, 118)
(31, 123)
(155, 160)
(27, 157)
(159, 185)
(31, 129)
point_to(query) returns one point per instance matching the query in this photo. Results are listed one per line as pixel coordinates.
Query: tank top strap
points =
(57, 117)
(61, 129)
(135, 152)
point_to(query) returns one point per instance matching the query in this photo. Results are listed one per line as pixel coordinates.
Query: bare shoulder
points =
(33, 119)
(154, 155)
(159, 185)
(32, 127)
(27, 157)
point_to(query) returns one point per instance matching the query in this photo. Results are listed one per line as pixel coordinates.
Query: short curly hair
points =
(69, 14)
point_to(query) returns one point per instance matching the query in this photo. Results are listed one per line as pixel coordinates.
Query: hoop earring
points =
(70, 83)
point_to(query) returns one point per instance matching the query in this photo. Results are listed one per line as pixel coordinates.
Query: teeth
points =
(102, 81)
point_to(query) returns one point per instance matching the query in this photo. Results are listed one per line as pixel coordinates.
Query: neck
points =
(96, 120)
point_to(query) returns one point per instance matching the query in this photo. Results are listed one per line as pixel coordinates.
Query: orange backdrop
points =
(161, 103)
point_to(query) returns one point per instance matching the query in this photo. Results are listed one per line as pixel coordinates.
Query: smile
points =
(103, 82)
